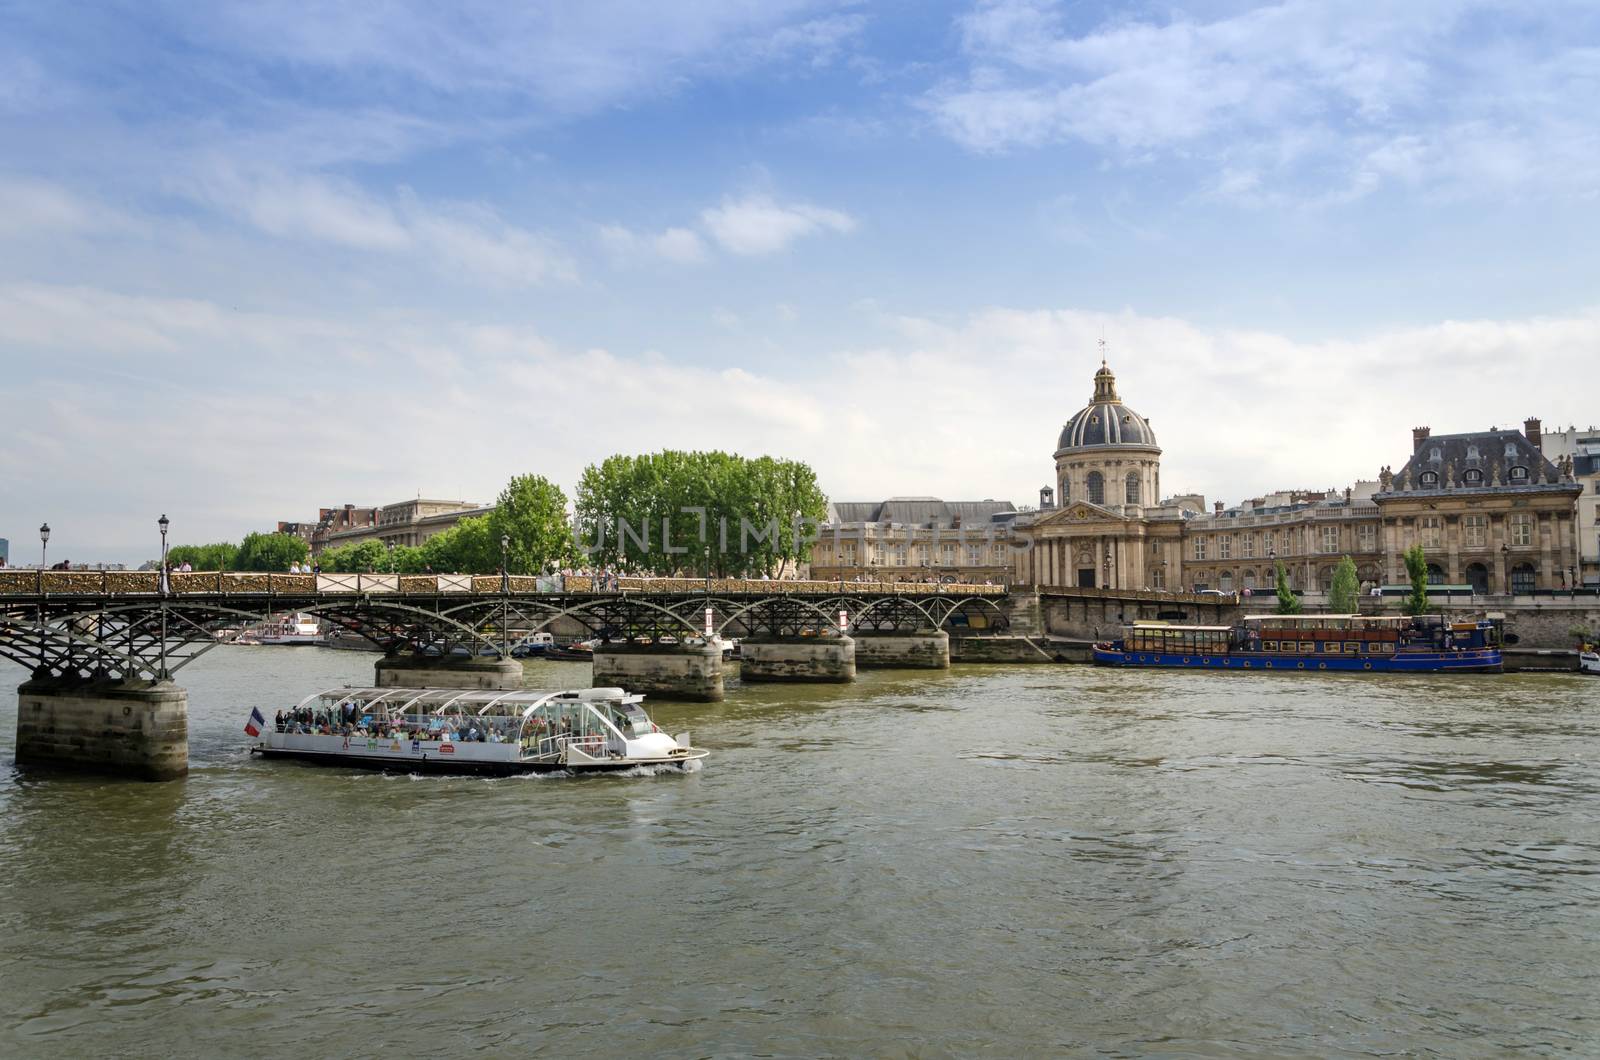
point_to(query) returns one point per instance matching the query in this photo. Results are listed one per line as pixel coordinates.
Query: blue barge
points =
(1341, 643)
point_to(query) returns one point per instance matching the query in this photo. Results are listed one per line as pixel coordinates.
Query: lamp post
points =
(391, 555)
(163, 523)
(505, 591)
(1505, 567)
(44, 546)
(1105, 582)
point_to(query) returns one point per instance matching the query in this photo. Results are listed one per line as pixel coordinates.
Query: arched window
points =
(1097, 488)
(1429, 479)
(1472, 477)
(1249, 579)
(1435, 574)
(1325, 579)
(1225, 581)
(1519, 474)
(1522, 578)
(1130, 488)
(1478, 577)
(1066, 490)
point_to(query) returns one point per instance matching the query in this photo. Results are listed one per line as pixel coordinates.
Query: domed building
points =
(1103, 524)
(1107, 454)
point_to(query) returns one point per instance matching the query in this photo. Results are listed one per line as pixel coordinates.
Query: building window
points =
(1521, 529)
(1428, 479)
(1249, 579)
(1522, 579)
(1325, 579)
(1249, 543)
(1430, 531)
(1267, 541)
(1330, 539)
(1472, 452)
(974, 555)
(1199, 548)
(1097, 488)
(1475, 530)
(1225, 546)
(1366, 537)
(1519, 474)
(948, 555)
(1130, 488)
(1158, 578)
(1066, 491)
(1225, 581)
(1472, 477)
(1435, 574)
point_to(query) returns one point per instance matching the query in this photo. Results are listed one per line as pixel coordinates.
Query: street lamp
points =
(505, 568)
(390, 543)
(163, 523)
(44, 545)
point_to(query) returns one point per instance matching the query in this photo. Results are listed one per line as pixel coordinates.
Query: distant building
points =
(1582, 449)
(1490, 509)
(5, 552)
(915, 539)
(409, 522)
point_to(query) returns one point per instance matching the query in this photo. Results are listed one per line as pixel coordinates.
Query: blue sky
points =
(257, 258)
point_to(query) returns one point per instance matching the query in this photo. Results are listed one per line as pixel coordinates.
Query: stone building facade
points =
(409, 522)
(1582, 447)
(1489, 508)
(915, 539)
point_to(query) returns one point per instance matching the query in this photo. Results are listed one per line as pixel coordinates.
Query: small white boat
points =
(1589, 662)
(452, 730)
(293, 629)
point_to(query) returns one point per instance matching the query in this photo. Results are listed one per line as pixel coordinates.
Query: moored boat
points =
(1350, 643)
(451, 730)
(1589, 662)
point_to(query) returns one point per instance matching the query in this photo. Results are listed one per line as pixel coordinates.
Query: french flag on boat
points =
(253, 726)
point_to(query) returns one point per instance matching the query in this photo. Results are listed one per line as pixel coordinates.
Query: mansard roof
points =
(921, 511)
(1480, 462)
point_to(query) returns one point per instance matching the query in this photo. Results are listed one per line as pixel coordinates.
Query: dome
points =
(1106, 421)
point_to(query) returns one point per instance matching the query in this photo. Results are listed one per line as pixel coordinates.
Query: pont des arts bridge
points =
(104, 647)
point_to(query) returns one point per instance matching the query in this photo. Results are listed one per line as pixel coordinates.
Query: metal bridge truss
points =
(124, 638)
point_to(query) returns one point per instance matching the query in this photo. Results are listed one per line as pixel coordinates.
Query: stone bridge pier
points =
(689, 672)
(136, 728)
(817, 659)
(422, 671)
(921, 649)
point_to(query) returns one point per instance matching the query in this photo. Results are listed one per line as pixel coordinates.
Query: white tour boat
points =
(1589, 662)
(452, 730)
(292, 629)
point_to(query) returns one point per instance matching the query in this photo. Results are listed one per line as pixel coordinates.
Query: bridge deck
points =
(36, 583)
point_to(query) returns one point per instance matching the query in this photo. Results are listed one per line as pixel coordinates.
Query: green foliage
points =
(1346, 587)
(1417, 569)
(1288, 602)
(532, 512)
(363, 557)
(699, 513)
(271, 552)
(222, 555)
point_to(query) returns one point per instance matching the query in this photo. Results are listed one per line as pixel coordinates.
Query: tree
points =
(1346, 585)
(1417, 570)
(710, 513)
(1288, 602)
(532, 512)
(271, 552)
(362, 557)
(222, 555)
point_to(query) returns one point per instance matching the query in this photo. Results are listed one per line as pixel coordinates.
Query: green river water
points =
(1007, 861)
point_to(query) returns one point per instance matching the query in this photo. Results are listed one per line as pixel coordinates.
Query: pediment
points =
(1081, 513)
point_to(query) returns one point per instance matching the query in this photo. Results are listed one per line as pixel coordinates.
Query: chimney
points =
(1530, 427)
(1418, 436)
(1218, 507)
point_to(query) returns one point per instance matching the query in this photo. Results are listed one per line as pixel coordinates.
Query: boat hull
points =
(440, 765)
(1485, 660)
(430, 756)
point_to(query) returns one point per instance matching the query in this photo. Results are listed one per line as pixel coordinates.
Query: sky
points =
(260, 258)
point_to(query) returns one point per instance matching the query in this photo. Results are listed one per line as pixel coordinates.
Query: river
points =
(999, 860)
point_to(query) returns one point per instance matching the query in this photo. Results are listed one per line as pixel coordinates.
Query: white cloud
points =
(681, 246)
(1342, 94)
(28, 206)
(756, 224)
(465, 238)
(963, 408)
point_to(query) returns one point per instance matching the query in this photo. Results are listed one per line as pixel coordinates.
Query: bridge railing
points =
(211, 583)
